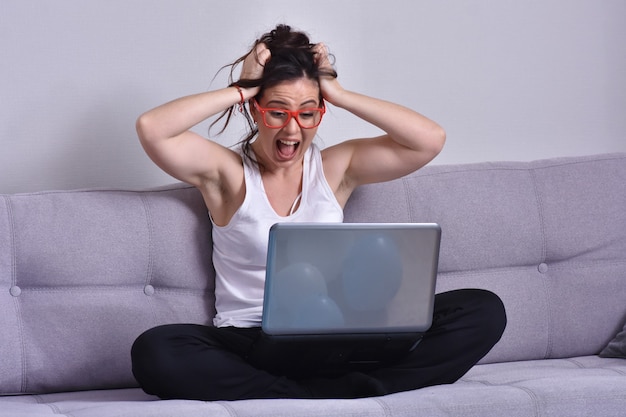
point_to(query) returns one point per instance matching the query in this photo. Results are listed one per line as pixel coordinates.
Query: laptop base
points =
(328, 355)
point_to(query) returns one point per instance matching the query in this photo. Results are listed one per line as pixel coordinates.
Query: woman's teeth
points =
(287, 148)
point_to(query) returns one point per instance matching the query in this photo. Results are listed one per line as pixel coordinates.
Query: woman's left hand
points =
(331, 89)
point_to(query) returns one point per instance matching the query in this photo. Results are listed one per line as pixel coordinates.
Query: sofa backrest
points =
(548, 236)
(83, 273)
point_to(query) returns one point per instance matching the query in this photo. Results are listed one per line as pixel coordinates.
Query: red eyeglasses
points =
(278, 118)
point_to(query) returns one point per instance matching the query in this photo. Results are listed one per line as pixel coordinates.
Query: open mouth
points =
(287, 148)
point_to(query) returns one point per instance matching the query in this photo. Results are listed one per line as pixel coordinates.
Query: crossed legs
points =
(207, 363)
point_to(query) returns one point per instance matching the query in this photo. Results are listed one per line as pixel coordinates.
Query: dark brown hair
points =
(292, 57)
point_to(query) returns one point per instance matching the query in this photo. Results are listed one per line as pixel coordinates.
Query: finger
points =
(320, 51)
(262, 53)
(322, 56)
(254, 63)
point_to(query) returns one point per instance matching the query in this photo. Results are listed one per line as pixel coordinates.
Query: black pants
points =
(188, 361)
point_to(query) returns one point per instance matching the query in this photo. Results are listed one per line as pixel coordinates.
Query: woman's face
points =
(285, 146)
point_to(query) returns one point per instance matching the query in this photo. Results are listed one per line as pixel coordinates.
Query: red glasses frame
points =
(291, 114)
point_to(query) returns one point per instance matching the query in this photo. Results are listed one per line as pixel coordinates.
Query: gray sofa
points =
(82, 273)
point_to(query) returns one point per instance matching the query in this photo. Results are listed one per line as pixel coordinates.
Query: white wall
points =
(509, 80)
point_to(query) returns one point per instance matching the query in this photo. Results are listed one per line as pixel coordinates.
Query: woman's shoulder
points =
(336, 158)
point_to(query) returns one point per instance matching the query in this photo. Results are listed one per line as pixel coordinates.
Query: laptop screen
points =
(332, 278)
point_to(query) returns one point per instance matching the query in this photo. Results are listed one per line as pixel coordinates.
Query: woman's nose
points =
(292, 125)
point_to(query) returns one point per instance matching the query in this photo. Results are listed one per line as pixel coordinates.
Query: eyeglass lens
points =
(307, 118)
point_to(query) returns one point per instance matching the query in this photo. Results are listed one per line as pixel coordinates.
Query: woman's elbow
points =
(438, 140)
(145, 129)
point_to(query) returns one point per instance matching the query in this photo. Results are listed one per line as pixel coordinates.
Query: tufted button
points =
(148, 290)
(543, 267)
(15, 291)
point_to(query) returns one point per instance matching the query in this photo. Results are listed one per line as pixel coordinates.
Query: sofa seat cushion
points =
(572, 387)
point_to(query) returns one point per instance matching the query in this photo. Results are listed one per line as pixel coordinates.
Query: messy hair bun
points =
(291, 57)
(284, 38)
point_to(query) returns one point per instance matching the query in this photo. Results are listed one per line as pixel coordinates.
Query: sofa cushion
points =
(85, 272)
(576, 387)
(548, 237)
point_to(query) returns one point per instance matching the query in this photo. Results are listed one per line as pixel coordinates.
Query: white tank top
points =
(240, 247)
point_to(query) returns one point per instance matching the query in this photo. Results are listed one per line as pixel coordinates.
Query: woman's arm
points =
(410, 140)
(165, 132)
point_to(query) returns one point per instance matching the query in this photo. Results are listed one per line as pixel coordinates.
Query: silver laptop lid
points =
(332, 278)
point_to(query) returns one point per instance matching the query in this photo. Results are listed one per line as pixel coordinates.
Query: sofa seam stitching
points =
(419, 174)
(617, 371)
(16, 303)
(591, 160)
(56, 410)
(116, 288)
(150, 265)
(542, 223)
(554, 267)
(575, 362)
(560, 264)
(409, 206)
(384, 406)
(532, 396)
(162, 189)
(544, 255)
(583, 366)
(228, 408)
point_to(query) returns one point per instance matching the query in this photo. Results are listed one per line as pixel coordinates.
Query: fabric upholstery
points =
(548, 236)
(576, 387)
(83, 273)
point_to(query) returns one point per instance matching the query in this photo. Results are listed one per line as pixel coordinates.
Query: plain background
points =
(508, 80)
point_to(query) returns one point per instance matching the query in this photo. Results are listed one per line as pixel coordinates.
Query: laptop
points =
(346, 295)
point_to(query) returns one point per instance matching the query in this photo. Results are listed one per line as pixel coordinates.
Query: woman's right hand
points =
(254, 64)
(166, 135)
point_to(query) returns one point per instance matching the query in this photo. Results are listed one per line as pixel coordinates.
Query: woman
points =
(280, 175)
